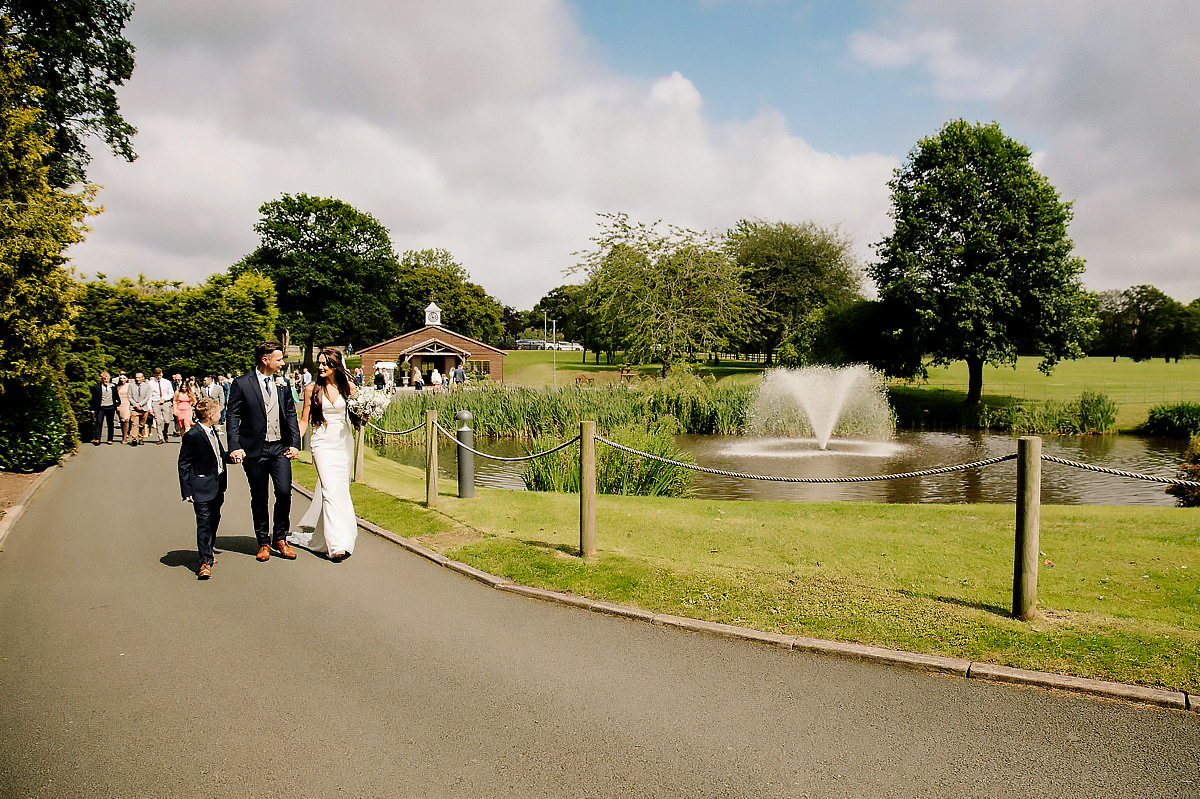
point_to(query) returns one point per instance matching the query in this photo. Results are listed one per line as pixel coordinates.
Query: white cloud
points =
(1107, 88)
(957, 72)
(486, 129)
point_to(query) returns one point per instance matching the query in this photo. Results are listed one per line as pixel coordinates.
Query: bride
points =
(329, 526)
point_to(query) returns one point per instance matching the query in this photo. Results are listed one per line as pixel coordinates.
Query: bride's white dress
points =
(329, 525)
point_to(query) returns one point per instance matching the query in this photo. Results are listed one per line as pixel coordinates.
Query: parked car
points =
(568, 345)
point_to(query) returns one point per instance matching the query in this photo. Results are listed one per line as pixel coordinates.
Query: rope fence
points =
(1120, 473)
(396, 432)
(474, 451)
(776, 479)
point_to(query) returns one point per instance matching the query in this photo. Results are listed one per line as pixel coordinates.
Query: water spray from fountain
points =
(823, 402)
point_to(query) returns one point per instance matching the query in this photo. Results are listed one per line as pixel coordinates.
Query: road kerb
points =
(724, 630)
(637, 614)
(476, 574)
(892, 657)
(549, 596)
(1112, 690)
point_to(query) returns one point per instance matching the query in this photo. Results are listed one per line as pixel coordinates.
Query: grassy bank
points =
(1118, 589)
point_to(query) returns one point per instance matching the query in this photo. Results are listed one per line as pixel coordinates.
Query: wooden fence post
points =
(431, 458)
(1029, 514)
(587, 489)
(360, 440)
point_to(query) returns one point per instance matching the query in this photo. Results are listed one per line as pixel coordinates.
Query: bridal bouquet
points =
(367, 405)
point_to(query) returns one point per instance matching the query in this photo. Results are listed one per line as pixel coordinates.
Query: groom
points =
(263, 436)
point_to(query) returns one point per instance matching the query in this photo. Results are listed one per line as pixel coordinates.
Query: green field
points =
(1119, 597)
(1135, 387)
(535, 368)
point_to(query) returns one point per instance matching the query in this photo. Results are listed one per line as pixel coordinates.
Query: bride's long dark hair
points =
(333, 359)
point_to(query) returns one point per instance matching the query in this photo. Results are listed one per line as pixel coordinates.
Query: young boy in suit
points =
(203, 478)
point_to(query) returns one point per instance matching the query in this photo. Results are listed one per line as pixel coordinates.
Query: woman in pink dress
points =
(123, 406)
(185, 401)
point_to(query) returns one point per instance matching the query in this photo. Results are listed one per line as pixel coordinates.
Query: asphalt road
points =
(121, 675)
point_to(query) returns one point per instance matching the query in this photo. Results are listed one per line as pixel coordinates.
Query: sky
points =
(499, 131)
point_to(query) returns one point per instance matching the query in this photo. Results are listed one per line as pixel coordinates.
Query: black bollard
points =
(466, 458)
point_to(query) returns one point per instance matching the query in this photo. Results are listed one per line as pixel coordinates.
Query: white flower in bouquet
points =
(367, 405)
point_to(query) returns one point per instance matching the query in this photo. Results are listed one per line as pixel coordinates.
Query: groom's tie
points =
(267, 386)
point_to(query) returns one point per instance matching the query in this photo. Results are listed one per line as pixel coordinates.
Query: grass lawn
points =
(537, 368)
(1135, 387)
(1119, 597)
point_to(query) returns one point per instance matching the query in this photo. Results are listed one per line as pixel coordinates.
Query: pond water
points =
(905, 452)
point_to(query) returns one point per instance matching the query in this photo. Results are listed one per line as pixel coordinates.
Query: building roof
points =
(427, 336)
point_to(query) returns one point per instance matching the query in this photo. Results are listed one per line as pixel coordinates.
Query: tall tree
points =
(980, 255)
(1159, 326)
(37, 223)
(792, 272)
(434, 276)
(1112, 325)
(567, 305)
(673, 294)
(333, 267)
(79, 58)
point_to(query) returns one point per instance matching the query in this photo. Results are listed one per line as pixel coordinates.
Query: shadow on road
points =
(241, 544)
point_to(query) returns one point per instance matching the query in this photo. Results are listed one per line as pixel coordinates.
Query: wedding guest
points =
(123, 412)
(184, 401)
(141, 401)
(305, 378)
(176, 383)
(294, 387)
(460, 375)
(225, 381)
(213, 390)
(104, 406)
(435, 380)
(417, 381)
(380, 380)
(162, 392)
(203, 479)
(358, 376)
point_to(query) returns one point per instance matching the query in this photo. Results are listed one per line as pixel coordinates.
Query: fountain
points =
(821, 401)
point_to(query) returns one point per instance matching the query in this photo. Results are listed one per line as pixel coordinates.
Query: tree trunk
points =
(310, 341)
(974, 381)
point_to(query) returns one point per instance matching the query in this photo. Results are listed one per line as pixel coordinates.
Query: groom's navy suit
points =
(247, 425)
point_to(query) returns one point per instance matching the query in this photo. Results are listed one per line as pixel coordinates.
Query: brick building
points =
(433, 346)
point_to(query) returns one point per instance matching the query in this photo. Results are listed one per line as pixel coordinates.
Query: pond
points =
(905, 452)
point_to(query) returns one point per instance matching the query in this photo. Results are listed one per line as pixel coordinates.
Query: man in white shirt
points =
(162, 395)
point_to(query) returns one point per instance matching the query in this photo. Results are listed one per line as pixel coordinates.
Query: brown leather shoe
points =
(264, 553)
(285, 549)
(205, 571)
